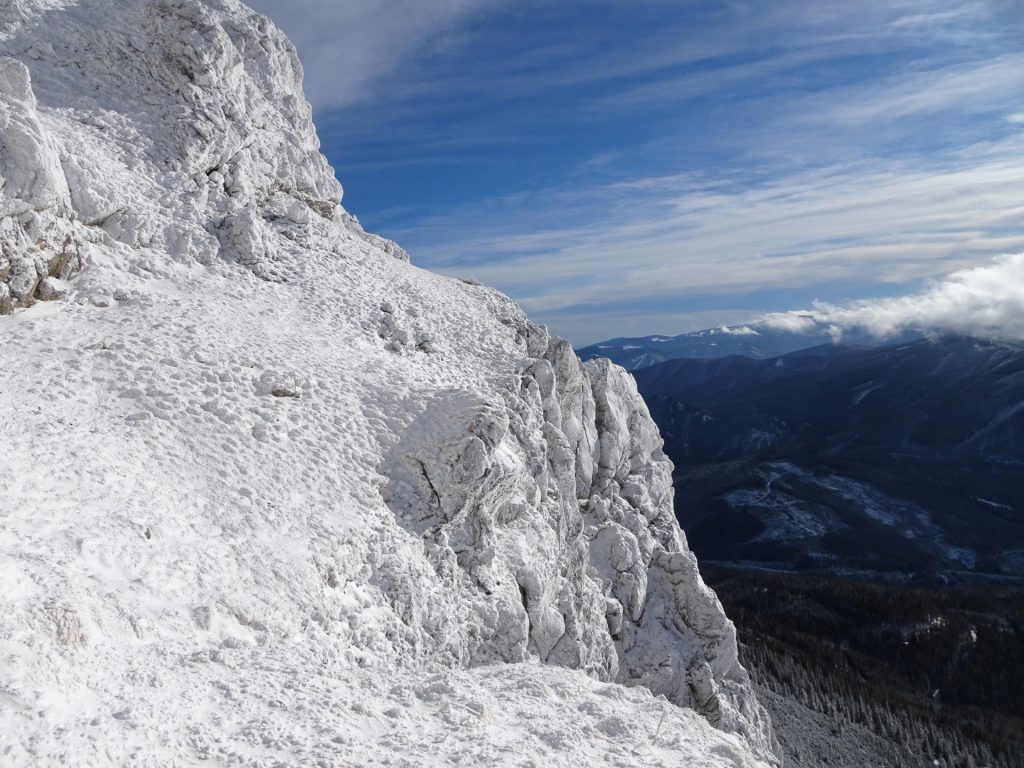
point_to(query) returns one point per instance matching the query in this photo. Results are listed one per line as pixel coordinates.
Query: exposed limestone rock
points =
(37, 231)
(51, 289)
(67, 627)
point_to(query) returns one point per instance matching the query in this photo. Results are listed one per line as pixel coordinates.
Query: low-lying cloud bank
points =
(986, 302)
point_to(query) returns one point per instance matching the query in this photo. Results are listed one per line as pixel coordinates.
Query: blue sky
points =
(656, 167)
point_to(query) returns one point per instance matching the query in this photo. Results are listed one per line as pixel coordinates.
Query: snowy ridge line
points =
(257, 463)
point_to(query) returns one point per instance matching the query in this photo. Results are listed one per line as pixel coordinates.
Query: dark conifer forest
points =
(867, 674)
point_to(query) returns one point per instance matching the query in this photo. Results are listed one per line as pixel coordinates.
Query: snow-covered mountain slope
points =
(759, 340)
(269, 494)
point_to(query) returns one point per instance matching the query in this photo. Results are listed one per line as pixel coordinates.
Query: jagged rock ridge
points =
(264, 454)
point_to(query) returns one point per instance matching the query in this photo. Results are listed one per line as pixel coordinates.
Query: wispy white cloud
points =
(974, 86)
(354, 51)
(986, 301)
(349, 48)
(682, 236)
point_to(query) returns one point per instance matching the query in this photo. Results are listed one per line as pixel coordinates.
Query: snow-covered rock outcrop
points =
(254, 462)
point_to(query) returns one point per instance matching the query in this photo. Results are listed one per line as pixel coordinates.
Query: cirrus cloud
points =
(348, 48)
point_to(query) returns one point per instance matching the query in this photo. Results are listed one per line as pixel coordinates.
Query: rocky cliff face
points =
(253, 453)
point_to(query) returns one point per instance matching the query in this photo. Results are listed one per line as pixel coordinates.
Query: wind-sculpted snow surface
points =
(270, 494)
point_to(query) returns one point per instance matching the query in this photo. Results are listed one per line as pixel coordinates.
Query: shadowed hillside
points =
(902, 462)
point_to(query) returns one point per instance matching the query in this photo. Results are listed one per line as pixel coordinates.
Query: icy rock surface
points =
(263, 480)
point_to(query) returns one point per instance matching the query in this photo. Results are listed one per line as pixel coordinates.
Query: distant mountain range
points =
(759, 340)
(901, 461)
